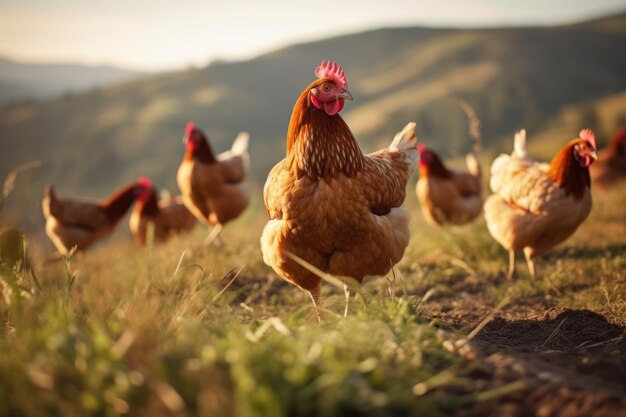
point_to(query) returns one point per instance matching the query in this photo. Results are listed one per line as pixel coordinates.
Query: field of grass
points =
(186, 330)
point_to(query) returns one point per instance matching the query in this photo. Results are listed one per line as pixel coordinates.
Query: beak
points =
(345, 94)
(594, 155)
(185, 139)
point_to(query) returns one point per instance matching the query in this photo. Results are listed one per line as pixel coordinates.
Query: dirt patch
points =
(559, 329)
(550, 401)
(574, 362)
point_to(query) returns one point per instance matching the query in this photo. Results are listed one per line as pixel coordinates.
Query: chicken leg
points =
(213, 235)
(347, 292)
(512, 273)
(531, 264)
(315, 298)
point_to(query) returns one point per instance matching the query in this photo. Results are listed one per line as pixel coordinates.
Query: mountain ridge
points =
(23, 81)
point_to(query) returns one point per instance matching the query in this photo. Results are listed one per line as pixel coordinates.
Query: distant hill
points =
(554, 79)
(25, 81)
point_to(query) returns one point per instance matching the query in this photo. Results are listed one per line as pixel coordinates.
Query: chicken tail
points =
(519, 145)
(473, 166)
(50, 201)
(49, 192)
(405, 142)
(474, 124)
(240, 144)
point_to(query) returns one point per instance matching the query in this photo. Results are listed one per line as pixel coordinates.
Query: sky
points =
(158, 35)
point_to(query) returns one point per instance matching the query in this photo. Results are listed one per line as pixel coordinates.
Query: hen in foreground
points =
(448, 196)
(169, 216)
(330, 205)
(79, 223)
(536, 206)
(214, 188)
(611, 166)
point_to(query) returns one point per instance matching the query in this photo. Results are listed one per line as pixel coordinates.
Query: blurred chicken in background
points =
(214, 188)
(535, 206)
(611, 166)
(448, 196)
(80, 222)
(168, 216)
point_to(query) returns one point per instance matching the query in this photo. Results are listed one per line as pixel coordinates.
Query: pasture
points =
(187, 330)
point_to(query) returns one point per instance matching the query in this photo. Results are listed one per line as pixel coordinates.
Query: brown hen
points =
(214, 188)
(536, 206)
(611, 166)
(79, 223)
(169, 216)
(448, 196)
(330, 205)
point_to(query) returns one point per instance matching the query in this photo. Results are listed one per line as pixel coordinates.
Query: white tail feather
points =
(472, 165)
(240, 144)
(519, 145)
(406, 141)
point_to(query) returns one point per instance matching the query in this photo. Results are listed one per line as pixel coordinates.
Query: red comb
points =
(588, 135)
(334, 72)
(191, 126)
(420, 147)
(144, 182)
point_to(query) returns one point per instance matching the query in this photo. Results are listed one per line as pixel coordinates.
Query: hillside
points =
(27, 81)
(90, 143)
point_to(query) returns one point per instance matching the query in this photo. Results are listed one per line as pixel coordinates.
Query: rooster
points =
(214, 188)
(168, 216)
(448, 196)
(536, 206)
(80, 223)
(611, 167)
(328, 203)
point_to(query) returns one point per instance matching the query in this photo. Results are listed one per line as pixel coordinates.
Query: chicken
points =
(611, 166)
(536, 206)
(330, 205)
(448, 196)
(169, 216)
(80, 223)
(214, 188)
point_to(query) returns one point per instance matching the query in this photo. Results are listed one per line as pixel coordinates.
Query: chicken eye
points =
(326, 88)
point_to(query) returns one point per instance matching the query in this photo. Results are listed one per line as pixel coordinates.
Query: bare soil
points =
(573, 362)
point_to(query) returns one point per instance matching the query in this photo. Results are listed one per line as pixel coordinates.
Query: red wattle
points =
(315, 102)
(332, 107)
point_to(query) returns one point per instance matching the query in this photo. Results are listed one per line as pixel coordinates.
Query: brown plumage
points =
(329, 204)
(80, 223)
(169, 216)
(214, 188)
(536, 206)
(611, 166)
(448, 196)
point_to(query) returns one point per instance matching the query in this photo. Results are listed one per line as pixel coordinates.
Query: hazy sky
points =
(169, 34)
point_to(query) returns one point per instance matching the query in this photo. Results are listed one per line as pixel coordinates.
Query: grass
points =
(181, 329)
